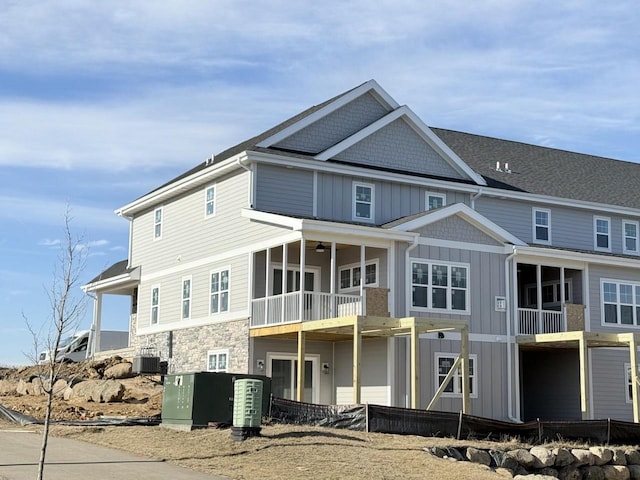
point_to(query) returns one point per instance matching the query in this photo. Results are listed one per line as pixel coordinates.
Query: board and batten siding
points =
(609, 387)
(170, 298)
(375, 384)
(187, 235)
(284, 190)
(596, 274)
(392, 200)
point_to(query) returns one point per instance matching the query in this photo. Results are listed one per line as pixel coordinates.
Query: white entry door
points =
(283, 370)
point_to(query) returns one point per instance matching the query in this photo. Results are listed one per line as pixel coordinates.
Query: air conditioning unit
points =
(143, 365)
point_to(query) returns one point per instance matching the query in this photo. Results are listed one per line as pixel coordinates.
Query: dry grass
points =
(292, 452)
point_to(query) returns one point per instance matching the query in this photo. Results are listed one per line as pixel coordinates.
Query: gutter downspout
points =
(510, 342)
(474, 197)
(251, 182)
(407, 303)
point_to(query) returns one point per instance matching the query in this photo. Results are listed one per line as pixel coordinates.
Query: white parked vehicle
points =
(74, 348)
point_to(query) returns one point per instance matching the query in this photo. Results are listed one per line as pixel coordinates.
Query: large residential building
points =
(360, 253)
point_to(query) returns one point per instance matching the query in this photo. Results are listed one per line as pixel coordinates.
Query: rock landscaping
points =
(543, 463)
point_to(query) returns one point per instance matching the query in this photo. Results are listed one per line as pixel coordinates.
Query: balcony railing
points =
(278, 309)
(532, 321)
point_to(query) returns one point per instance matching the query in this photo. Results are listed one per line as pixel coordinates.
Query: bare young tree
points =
(67, 309)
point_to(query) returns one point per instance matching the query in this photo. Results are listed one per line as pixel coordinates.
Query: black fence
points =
(377, 418)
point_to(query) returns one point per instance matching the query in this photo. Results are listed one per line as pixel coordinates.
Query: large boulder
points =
(592, 472)
(476, 455)
(602, 455)
(583, 457)
(569, 473)
(8, 387)
(544, 457)
(59, 388)
(634, 471)
(102, 391)
(22, 388)
(633, 456)
(523, 457)
(120, 370)
(616, 472)
(564, 458)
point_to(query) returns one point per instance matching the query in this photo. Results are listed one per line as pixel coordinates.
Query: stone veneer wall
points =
(190, 346)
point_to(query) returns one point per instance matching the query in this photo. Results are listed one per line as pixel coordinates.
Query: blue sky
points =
(101, 102)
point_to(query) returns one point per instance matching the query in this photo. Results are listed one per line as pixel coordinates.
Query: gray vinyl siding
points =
(457, 229)
(596, 274)
(486, 281)
(170, 299)
(398, 146)
(491, 368)
(188, 236)
(262, 346)
(608, 377)
(336, 126)
(284, 190)
(375, 384)
(392, 200)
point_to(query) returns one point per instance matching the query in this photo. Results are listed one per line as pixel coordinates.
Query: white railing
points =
(532, 321)
(285, 308)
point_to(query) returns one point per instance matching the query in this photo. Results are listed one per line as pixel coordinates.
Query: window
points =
(210, 201)
(219, 291)
(157, 223)
(439, 286)
(550, 294)
(186, 297)
(630, 237)
(350, 275)
(444, 362)
(363, 198)
(542, 225)
(217, 360)
(620, 303)
(601, 232)
(435, 200)
(155, 304)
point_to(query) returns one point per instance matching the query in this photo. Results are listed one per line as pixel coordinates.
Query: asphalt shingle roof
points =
(114, 270)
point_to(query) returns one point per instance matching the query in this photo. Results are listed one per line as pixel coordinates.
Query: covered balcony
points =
(545, 307)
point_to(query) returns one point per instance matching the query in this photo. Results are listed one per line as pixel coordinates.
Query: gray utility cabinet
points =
(192, 400)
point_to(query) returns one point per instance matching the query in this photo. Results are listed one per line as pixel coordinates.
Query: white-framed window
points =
(443, 363)
(218, 360)
(157, 223)
(155, 304)
(363, 201)
(542, 225)
(434, 200)
(210, 201)
(439, 286)
(602, 234)
(219, 291)
(630, 237)
(551, 294)
(349, 276)
(627, 381)
(186, 298)
(620, 303)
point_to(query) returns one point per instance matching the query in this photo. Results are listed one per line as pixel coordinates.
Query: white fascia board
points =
(112, 282)
(272, 218)
(471, 216)
(205, 175)
(419, 127)
(370, 86)
(578, 257)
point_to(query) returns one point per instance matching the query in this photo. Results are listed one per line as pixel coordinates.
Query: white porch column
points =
(267, 285)
(285, 261)
(563, 300)
(362, 279)
(97, 319)
(302, 274)
(539, 296)
(332, 287)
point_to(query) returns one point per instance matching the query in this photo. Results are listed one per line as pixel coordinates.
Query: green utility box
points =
(193, 400)
(247, 403)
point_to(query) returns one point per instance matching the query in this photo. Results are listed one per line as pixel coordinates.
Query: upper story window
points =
(186, 298)
(602, 234)
(542, 225)
(217, 360)
(444, 362)
(630, 237)
(620, 303)
(440, 286)
(155, 305)
(350, 275)
(363, 201)
(435, 200)
(219, 291)
(157, 223)
(210, 201)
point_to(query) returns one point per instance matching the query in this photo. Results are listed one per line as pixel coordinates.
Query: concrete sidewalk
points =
(74, 460)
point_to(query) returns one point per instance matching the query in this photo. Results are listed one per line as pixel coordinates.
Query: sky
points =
(101, 102)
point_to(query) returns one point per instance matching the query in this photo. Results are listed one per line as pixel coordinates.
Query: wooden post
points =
(464, 356)
(584, 377)
(301, 358)
(357, 361)
(415, 367)
(633, 353)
